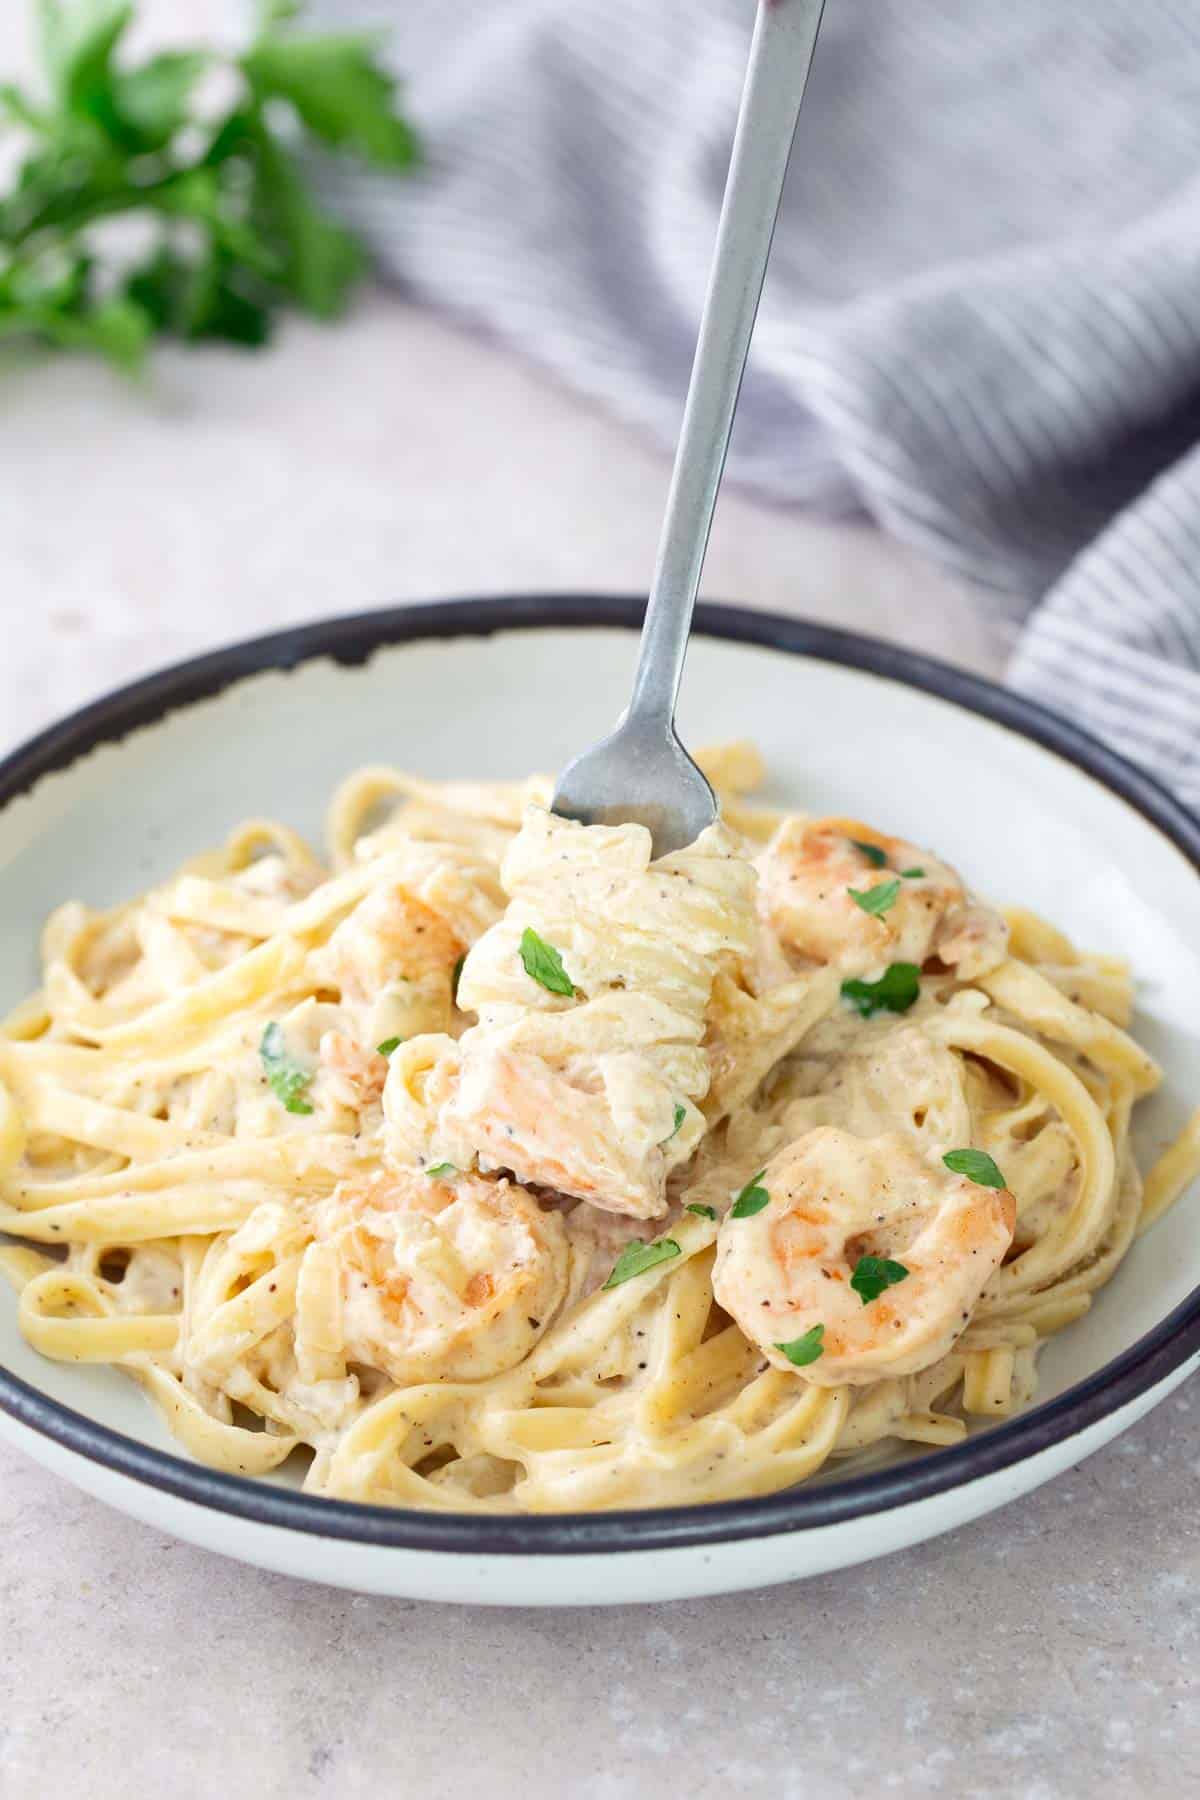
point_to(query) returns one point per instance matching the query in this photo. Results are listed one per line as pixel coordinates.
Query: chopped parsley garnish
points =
(287, 1079)
(976, 1165)
(637, 1259)
(387, 1046)
(543, 964)
(751, 1200)
(233, 229)
(876, 900)
(440, 1170)
(680, 1116)
(872, 852)
(912, 874)
(874, 1273)
(805, 1349)
(701, 1212)
(454, 979)
(895, 990)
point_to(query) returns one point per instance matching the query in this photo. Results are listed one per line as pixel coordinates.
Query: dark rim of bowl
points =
(352, 640)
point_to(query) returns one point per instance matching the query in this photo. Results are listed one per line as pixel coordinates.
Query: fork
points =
(641, 771)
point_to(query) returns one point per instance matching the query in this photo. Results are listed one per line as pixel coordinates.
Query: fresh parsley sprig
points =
(872, 852)
(543, 964)
(872, 1274)
(976, 1165)
(876, 900)
(639, 1259)
(235, 232)
(806, 1349)
(287, 1079)
(751, 1200)
(680, 1116)
(895, 991)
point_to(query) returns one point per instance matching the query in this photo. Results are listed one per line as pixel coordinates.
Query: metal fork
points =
(641, 771)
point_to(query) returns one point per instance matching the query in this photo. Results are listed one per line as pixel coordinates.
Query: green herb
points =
(287, 1079)
(702, 1212)
(439, 1170)
(874, 1273)
(912, 874)
(876, 900)
(387, 1046)
(895, 990)
(454, 979)
(680, 1116)
(543, 964)
(636, 1259)
(235, 233)
(872, 852)
(751, 1200)
(976, 1165)
(806, 1349)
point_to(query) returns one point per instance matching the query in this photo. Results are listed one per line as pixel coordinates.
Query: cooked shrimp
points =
(834, 1198)
(806, 875)
(442, 1280)
(392, 961)
(898, 1079)
(607, 1134)
(358, 1074)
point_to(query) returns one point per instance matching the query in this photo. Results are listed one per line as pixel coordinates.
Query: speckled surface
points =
(1049, 1652)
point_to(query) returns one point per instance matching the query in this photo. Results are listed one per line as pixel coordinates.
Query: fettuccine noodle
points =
(494, 1165)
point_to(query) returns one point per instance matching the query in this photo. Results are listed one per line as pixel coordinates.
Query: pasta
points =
(495, 1165)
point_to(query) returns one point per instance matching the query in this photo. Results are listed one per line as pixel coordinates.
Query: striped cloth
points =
(982, 320)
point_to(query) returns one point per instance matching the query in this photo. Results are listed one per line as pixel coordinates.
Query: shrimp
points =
(806, 875)
(608, 1135)
(358, 1074)
(835, 1198)
(392, 961)
(442, 1280)
(894, 1080)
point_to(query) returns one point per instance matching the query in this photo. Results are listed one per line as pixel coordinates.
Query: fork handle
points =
(785, 34)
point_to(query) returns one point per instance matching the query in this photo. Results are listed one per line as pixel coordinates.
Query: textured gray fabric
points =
(982, 320)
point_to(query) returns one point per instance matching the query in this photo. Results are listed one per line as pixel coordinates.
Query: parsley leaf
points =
(456, 977)
(543, 964)
(439, 1171)
(872, 852)
(751, 1200)
(232, 230)
(872, 1274)
(637, 1259)
(806, 1349)
(339, 90)
(702, 1212)
(895, 990)
(680, 1116)
(151, 103)
(287, 1079)
(976, 1165)
(912, 874)
(388, 1045)
(319, 260)
(876, 900)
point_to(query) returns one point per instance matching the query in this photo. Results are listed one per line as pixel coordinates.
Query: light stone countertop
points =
(1048, 1653)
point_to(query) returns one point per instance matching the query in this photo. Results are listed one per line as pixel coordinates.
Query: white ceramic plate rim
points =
(352, 640)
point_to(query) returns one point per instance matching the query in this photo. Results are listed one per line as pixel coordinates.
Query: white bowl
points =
(1035, 812)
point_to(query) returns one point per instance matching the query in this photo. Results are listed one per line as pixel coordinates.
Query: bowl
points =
(1035, 812)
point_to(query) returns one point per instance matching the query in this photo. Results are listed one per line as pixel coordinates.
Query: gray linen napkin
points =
(982, 319)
